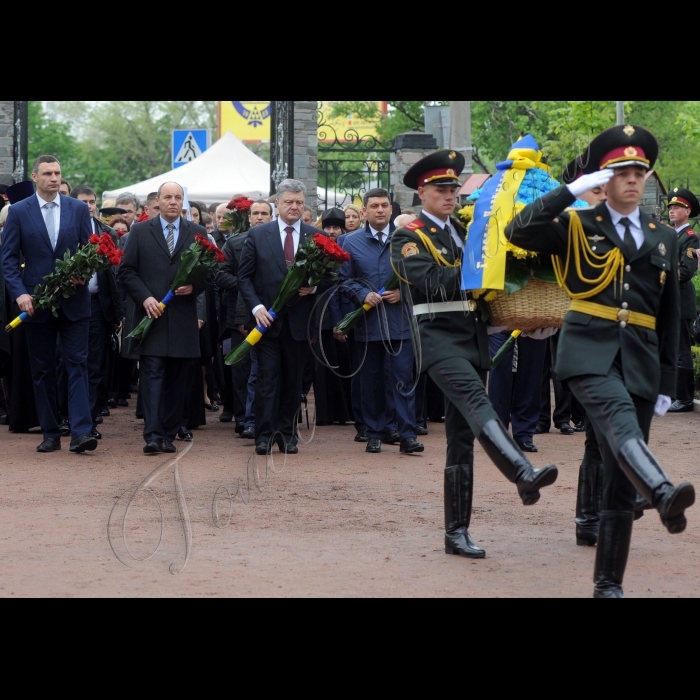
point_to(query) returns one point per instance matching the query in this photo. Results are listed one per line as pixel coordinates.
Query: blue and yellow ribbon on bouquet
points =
(484, 264)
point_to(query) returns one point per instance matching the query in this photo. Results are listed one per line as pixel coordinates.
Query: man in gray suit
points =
(150, 264)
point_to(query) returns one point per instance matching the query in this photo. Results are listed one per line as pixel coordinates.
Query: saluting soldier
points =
(618, 349)
(454, 349)
(683, 205)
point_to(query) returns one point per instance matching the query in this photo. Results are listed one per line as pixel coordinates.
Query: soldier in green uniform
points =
(683, 205)
(618, 349)
(452, 347)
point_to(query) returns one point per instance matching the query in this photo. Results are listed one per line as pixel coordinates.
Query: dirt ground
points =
(333, 522)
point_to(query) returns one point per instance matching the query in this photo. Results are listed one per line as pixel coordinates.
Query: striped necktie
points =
(170, 240)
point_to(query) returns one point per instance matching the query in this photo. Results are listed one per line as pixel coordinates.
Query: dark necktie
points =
(629, 239)
(289, 246)
(170, 240)
(380, 237)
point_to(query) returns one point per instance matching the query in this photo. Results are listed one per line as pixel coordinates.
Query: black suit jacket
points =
(227, 278)
(149, 271)
(109, 294)
(262, 270)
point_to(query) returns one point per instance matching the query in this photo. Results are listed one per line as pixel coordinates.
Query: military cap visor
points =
(441, 168)
(621, 147)
(681, 197)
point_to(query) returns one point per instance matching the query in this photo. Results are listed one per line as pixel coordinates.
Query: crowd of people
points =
(420, 353)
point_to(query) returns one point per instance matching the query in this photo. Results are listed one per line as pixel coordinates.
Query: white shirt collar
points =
(678, 230)
(296, 226)
(634, 217)
(42, 202)
(441, 224)
(386, 232)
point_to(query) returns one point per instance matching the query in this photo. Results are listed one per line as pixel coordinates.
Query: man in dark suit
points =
(227, 281)
(283, 351)
(43, 228)
(105, 304)
(148, 270)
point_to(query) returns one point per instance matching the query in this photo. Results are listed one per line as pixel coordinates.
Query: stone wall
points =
(7, 113)
(306, 148)
(408, 150)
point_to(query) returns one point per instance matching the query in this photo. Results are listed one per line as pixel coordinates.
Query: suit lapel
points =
(650, 240)
(275, 243)
(604, 221)
(157, 231)
(66, 216)
(182, 238)
(38, 218)
(438, 232)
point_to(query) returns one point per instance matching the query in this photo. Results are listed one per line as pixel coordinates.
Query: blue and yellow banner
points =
(484, 263)
(247, 121)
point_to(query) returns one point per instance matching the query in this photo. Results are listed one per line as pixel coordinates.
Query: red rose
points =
(199, 238)
(94, 239)
(220, 257)
(244, 204)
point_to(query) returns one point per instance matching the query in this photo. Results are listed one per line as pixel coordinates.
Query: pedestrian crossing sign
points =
(188, 144)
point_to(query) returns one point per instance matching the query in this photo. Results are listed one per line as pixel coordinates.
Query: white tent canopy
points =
(228, 168)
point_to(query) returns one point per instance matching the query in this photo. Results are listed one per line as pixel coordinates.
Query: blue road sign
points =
(188, 144)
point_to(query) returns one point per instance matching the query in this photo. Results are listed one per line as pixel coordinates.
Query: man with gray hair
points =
(129, 203)
(283, 352)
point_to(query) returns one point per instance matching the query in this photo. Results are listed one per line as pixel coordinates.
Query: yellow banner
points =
(250, 122)
(247, 121)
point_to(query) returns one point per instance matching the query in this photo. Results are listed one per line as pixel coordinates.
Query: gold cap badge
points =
(629, 130)
(452, 155)
(631, 152)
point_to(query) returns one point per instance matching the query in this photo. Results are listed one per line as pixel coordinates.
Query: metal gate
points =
(349, 165)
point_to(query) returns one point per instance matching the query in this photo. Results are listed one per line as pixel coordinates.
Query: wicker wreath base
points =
(538, 305)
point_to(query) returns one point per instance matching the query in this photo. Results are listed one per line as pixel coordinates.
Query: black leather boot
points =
(513, 464)
(614, 537)
(588, 503)
(648, 477)
(459, 488)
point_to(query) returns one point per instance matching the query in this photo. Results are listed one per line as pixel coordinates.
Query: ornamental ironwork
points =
(281, 143)
(350, 164)
(20, 141)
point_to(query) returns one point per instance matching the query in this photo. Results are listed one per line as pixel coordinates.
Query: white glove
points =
(590, 182)
(663, 403)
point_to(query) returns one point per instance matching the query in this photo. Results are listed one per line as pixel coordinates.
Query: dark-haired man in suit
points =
(151, 261)
(268, 253)
(43, 228)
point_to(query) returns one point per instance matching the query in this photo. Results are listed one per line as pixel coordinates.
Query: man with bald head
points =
(222, 230)
(150, 264)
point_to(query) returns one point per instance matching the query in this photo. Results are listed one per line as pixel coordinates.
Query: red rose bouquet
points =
(99, 254)
(238, 213)
(318, 260)
(201, 258)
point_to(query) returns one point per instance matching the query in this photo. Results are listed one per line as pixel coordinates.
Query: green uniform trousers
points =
(467, 407)
(617, 416)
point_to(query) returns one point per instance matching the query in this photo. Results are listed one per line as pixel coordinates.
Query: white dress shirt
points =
(386, 233)
(635, 225)
(296, 235)
(446, 224)
(56, 211)
(678, 230)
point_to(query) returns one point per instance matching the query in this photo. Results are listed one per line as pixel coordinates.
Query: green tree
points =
(48, 137)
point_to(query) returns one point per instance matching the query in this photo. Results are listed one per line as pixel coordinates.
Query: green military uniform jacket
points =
(589, 345)
(687, 269)
(445, 335)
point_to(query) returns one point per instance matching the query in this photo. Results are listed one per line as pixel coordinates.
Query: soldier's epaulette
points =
(690, 232)
(414, 225)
